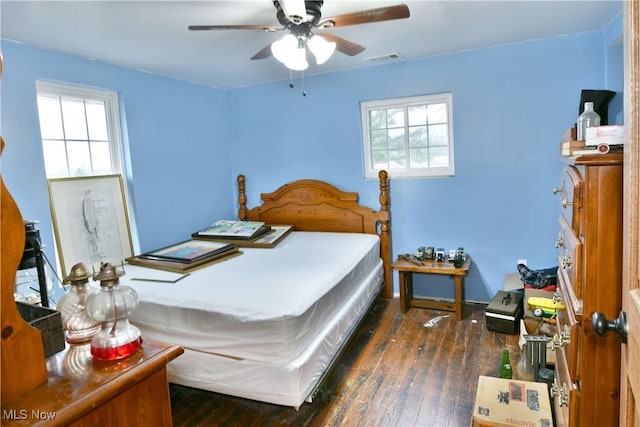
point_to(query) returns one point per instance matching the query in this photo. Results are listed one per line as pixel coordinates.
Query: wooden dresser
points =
(81, 391)
(587, 372)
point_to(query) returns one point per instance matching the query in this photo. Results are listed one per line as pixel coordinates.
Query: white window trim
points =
(365, 106)
(112, 109)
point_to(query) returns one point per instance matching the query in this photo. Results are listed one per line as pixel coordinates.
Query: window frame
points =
(112, 110)
(408, 172)
(115, 137)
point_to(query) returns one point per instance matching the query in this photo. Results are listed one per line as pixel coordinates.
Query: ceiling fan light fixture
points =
(282, 47)
(297, 60)
(321, 48)
(290, 52)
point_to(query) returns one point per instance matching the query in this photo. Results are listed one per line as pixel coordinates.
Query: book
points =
(268, 240)
(189, 251)
(568, 147)
(234, 230)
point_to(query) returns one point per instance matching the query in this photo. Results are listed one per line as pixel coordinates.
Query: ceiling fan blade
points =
(343, 45)
(263, 53)
(390, 13)
(268, 28)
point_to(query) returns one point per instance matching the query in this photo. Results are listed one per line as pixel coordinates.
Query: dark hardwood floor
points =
(398, 370)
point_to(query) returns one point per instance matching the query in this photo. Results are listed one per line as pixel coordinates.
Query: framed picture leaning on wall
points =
(90, 221)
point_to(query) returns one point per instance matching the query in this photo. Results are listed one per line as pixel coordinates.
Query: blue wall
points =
(177, 134)
(188, 142)
(511, 106)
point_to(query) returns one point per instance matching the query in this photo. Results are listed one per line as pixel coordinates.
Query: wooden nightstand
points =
(83, 392)
(406, 268)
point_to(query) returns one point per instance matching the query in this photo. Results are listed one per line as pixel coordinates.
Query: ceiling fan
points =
(306, 29)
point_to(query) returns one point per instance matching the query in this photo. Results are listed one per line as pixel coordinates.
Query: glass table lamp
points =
(78, 326)
(111, 307)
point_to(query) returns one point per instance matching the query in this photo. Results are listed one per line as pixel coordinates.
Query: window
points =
(80, 130)
(408, 137)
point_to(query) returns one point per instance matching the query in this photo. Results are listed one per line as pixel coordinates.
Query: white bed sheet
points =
(267, 305)
(287, 382)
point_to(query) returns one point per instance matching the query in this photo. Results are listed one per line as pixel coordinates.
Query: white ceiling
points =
(152, 36)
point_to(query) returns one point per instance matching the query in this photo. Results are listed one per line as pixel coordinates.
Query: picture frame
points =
(90, 221)
(189, 251)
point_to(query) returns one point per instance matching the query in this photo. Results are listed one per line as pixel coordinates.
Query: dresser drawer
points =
(565, 394)
(570, 196)
(567, 338)
(570, 256)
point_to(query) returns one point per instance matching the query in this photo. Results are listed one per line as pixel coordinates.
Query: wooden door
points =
(630, 364)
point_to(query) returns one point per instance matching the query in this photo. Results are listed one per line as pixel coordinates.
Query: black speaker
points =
(600, 99)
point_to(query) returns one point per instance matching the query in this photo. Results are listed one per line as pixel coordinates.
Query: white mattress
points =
(288, 382)
(267, 305)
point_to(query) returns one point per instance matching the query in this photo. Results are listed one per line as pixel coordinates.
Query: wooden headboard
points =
(313, 205)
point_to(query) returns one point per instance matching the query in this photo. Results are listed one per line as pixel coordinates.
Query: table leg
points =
(458, 282)
(406, 289)
(403, 291)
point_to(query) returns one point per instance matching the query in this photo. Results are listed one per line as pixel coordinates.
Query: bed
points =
(268, 324)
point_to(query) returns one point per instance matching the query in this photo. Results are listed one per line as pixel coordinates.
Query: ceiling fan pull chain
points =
(303, 91)
(291, 85)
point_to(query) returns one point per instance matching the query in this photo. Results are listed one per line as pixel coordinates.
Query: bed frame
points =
(313, 205)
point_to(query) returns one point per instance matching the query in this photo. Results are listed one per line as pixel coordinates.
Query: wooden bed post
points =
(385, 234)
(242, 198)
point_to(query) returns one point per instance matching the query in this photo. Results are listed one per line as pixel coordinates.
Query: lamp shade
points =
(281, 48)
(321, 48)
(288, 51)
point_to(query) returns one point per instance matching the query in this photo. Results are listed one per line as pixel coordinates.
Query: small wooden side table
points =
(406, 267)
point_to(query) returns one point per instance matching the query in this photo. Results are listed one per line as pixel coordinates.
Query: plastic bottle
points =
(505, 365)
(587, 119)
(524, 369)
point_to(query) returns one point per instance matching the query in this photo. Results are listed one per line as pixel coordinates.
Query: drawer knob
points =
(564, 396)
(558, 341)
(561, 393)
(557, 191)
(565, 336)
(555, 342)
(601, 325)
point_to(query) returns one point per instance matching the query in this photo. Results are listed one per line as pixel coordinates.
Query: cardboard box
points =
(512, 282)
(611, 135)
(505, 403)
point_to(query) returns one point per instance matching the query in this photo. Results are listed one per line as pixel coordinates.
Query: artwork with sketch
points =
(90, 220)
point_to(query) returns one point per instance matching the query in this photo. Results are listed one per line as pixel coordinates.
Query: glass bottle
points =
(78, 326)
(112, 307)
(587, 119)
(505, 365)
(524, 368)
